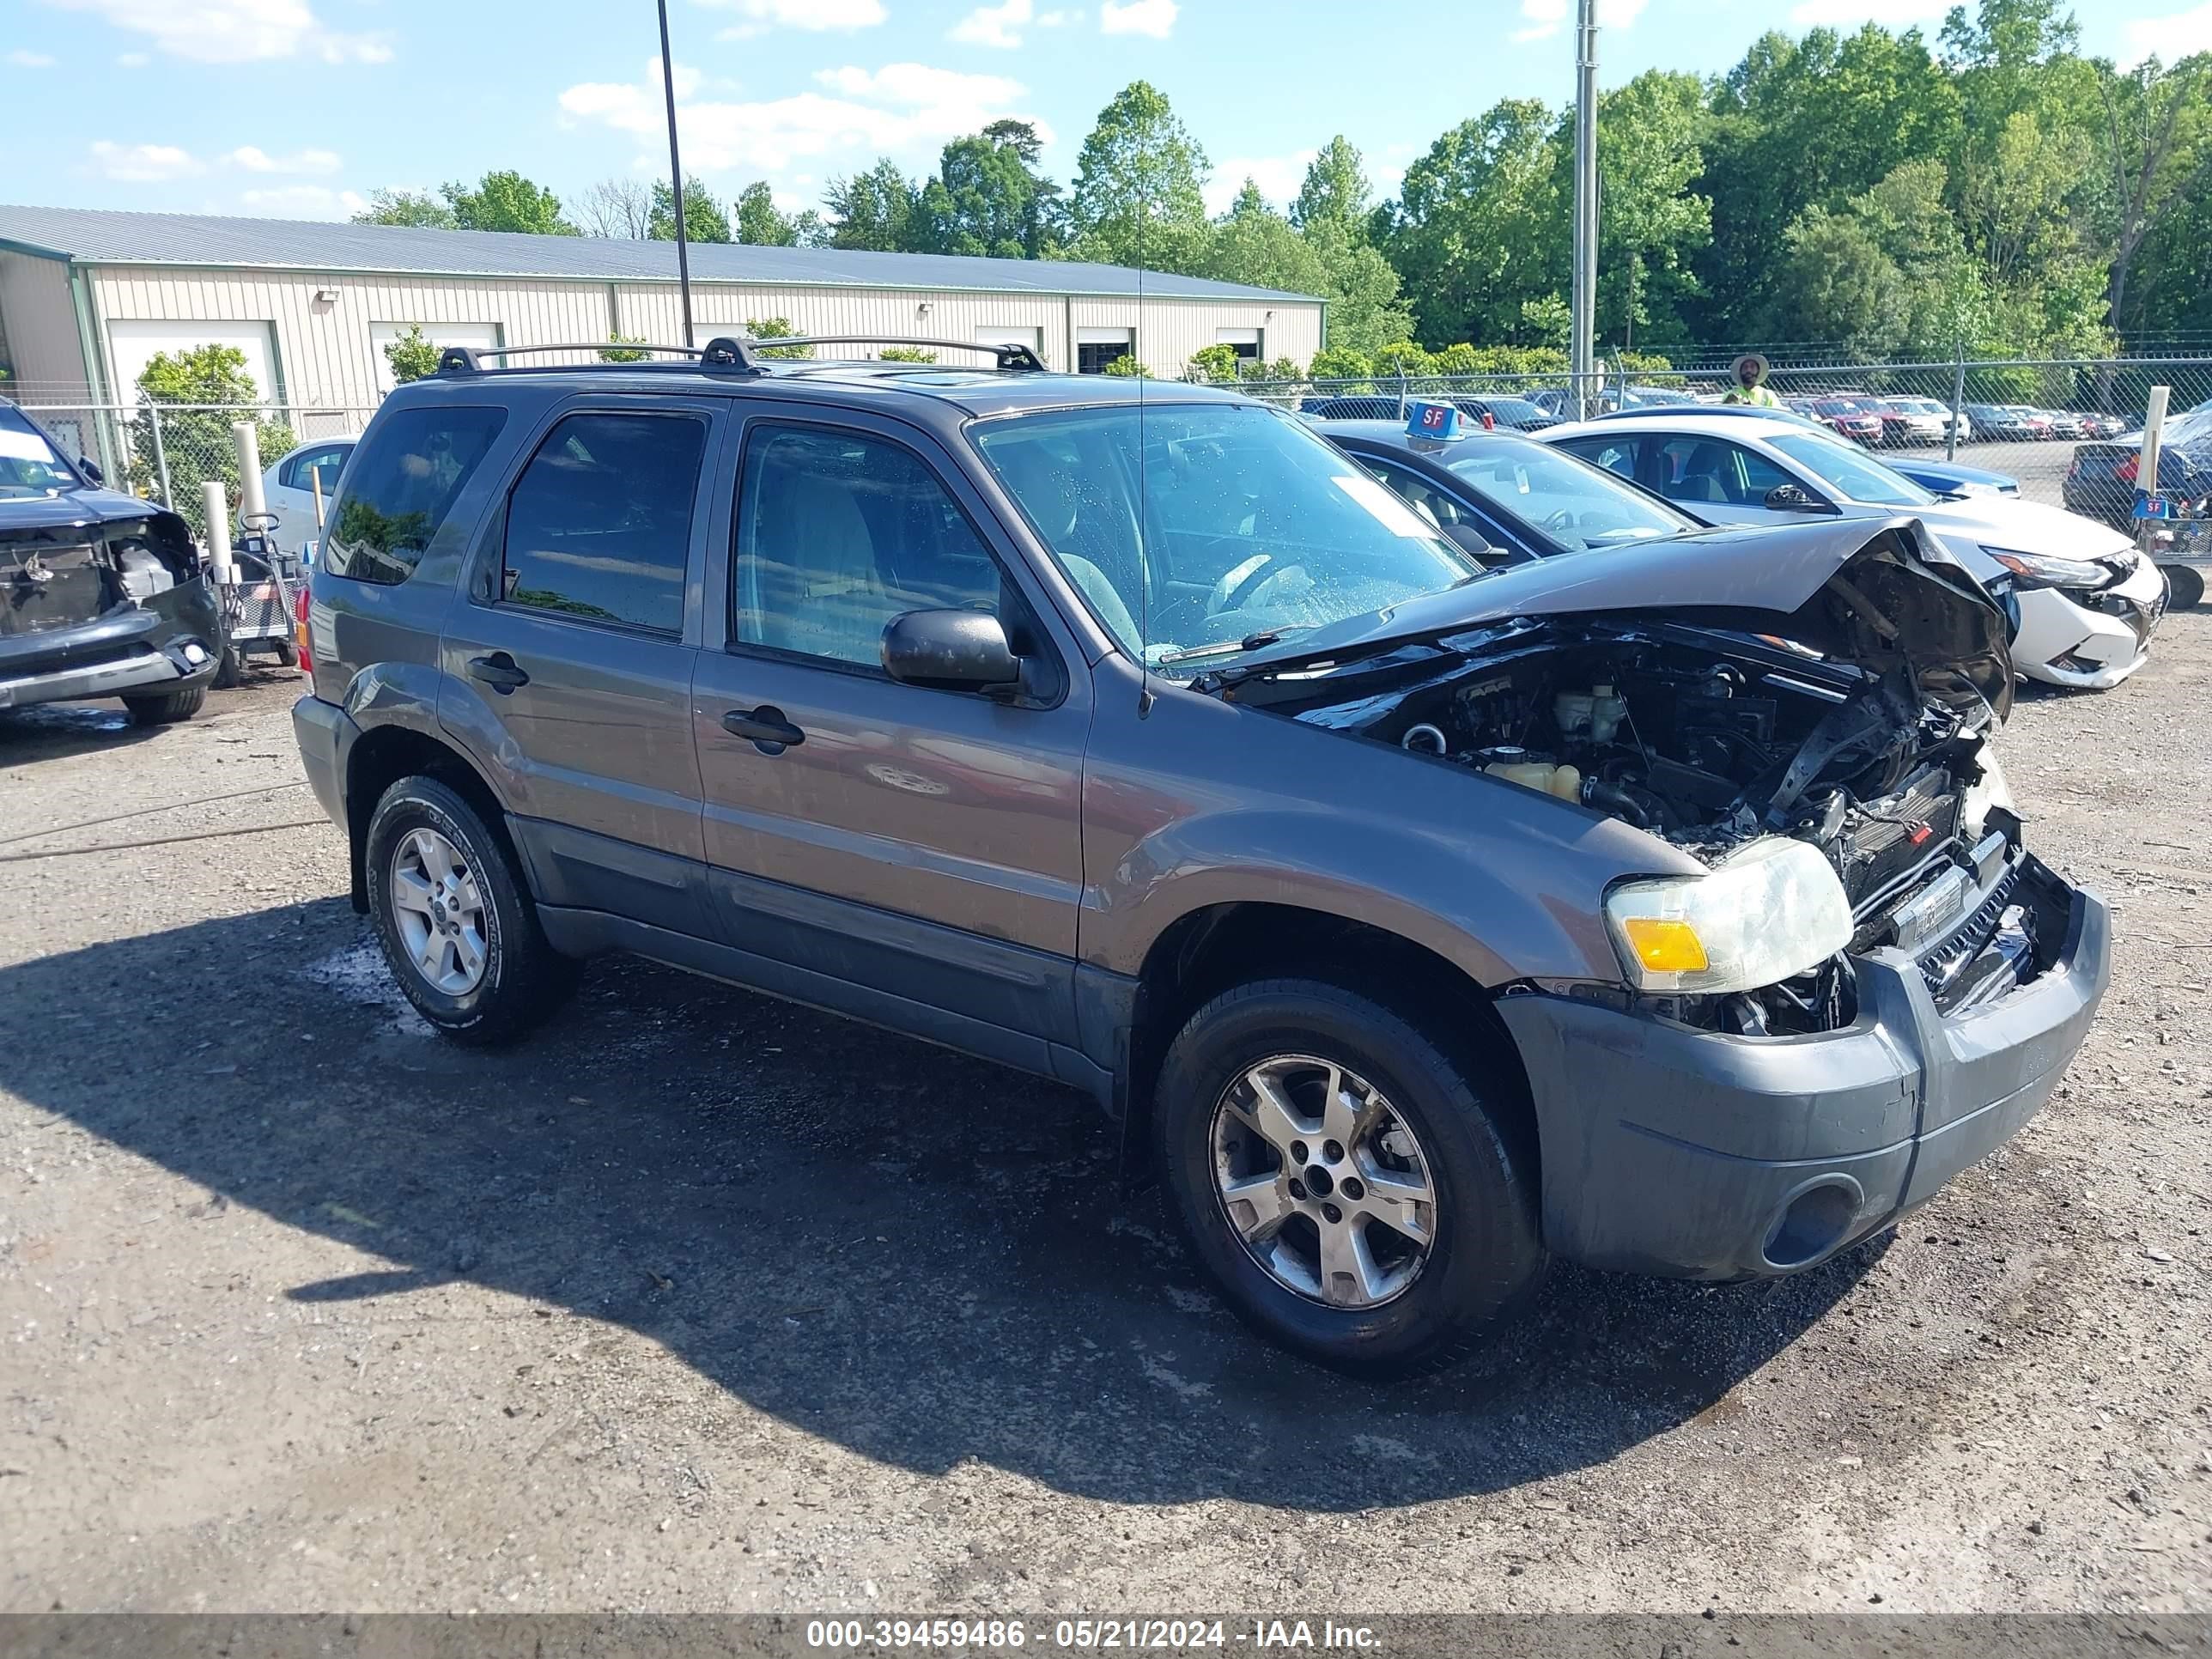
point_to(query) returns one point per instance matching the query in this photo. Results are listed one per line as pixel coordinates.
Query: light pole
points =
(676, 173)
(1583, 354)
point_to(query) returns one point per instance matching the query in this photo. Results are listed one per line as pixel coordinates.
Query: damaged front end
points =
(1828, 762)
(100, 594)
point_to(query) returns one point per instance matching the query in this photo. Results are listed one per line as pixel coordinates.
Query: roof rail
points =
(722, 352)
(1011, 356)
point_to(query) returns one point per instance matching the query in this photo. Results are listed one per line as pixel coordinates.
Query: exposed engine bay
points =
(1711, 749)
(56, 576)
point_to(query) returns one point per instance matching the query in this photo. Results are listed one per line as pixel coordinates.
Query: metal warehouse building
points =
(87, 296)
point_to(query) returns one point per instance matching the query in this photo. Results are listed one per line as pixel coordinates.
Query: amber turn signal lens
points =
(1664, 945)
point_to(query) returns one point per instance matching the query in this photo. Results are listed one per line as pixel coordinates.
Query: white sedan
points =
(287, 485)
(2089, 601)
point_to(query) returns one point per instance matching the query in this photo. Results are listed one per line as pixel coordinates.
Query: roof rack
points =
(722, 352)
(1018, 357)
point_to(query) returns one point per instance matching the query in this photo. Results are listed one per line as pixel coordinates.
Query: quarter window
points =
(414, 465)
(598, 527)
(839, 533)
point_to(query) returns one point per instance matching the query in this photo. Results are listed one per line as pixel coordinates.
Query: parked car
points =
(1848, 420)
(1517, 413)
(2037, 424)
(101, 594)
(1995, 423)
(2102, 480)
(1559, 403)
(1417, 922)
(1944, 478)
(2064, 423)
(288, 485)
(1906, 421)
(2089, 601)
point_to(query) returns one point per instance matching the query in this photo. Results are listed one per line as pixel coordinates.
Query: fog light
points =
(195, 652)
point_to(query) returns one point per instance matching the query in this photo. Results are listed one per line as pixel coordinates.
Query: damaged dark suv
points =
(1658, 908)
(101, 594)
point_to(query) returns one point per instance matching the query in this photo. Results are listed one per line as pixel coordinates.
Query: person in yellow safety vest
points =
(1750, 387)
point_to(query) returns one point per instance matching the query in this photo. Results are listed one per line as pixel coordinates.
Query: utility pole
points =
(675, 174)
(1583, 355)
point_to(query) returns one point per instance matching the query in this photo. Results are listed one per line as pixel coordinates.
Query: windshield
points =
(1850, 474)
(29, 466)
(1514, 408)
(1576, 504)
(1206, 529)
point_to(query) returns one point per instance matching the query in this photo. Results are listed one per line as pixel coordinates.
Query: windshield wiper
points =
(1219, 648)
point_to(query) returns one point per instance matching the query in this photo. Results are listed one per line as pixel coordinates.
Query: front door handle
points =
(770, 733)
(499, 672)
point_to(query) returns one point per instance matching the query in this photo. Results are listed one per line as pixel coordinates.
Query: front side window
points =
(837, 533)
(1714, 472)
(598, 526)
(1193, 528)
(1850, 474)
(414, 465)
(316, 464)
(1573, 502)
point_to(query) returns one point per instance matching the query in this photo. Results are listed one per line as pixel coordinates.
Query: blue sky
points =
(299, 108)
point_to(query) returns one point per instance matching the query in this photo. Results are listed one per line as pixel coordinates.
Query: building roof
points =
(101, 236)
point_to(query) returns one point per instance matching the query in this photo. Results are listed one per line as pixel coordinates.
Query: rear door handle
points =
(499, 672)
(770, 733)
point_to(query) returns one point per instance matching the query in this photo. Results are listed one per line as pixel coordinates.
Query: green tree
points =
(2154, 144)
(1336, 362)
(197, 442)
(1139, 188)
(411, 356)
(405, 207)
(505, 200)
(988, 198)
(1648, 132)
(776, 328)
(1253, 243)
(873, 210)
(703, 218)
(1336, 195)
(1332, 213)
(1480, 224)
(1548, 320)
(759, 222)
(621, 348)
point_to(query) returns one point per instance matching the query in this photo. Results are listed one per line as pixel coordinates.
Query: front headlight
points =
(2044, 570)
(1770, 910)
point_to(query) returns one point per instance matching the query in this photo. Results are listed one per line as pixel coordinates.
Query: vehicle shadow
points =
(925, 1258)
(55, 730)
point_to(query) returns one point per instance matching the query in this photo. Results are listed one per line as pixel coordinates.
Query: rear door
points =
(567, 666)
(910, 855)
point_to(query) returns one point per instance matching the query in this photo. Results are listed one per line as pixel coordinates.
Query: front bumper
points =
(1692, 1154)
(2090, 642)
(148, 648)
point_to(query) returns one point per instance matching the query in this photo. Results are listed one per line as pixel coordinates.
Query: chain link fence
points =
(166, 452)
(2068, 429)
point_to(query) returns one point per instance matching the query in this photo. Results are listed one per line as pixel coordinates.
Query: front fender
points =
(1203, 803)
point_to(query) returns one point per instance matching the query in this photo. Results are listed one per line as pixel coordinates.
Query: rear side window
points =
(598, 526)
(411, 469)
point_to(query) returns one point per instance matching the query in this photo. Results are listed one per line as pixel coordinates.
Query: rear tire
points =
(168, 707)
(230, 669)
(1483, 1252)
(501, 978)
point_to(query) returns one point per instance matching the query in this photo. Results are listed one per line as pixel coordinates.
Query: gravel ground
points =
(702, 1301)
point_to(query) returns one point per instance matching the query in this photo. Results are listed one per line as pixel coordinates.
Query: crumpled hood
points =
(1882, 594)
(73, 508)
(2018, 526)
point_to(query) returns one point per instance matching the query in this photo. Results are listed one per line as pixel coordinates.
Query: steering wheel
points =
(1563, 520)
(1240, 581)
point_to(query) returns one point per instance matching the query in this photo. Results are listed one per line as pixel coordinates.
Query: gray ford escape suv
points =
(1662, 908)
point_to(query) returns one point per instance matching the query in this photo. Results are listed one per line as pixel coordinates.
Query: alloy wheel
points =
(439, 910)
(1323, 1181)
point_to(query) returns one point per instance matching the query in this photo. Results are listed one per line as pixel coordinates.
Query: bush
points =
(1214, 362)
(1128, 368)
(1403, 357)
(776, 328)
(1340, 363)
(198, 443)
(907, 355)
(618, 350)
(411, 357)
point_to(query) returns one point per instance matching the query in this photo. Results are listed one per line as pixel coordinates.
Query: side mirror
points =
(90, 471)
(950, 651)
(1789, 498)
(1469, 540)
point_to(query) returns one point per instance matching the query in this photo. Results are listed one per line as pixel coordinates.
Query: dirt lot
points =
(702, 1301)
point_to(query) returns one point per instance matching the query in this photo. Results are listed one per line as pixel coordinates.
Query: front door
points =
(567, 668)
(907, 855)
(1716, 480)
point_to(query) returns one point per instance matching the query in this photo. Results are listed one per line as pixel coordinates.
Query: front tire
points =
(2184, 587)
(457, 926)
(1354, 1193)
(168, 707)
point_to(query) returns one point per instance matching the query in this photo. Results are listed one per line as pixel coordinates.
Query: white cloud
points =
(2170, 37)
(133, 60)
(1850, 14)
(995, 26)
(1154, 18)
(305, 201)
(1547, 17)
(307, 161)
(144, 164)
(19, 58)
(761, 15)
(1278, 176)
(234, 31)
(900, 108)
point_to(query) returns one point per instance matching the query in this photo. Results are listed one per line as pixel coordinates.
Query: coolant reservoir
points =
(1564, 782)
